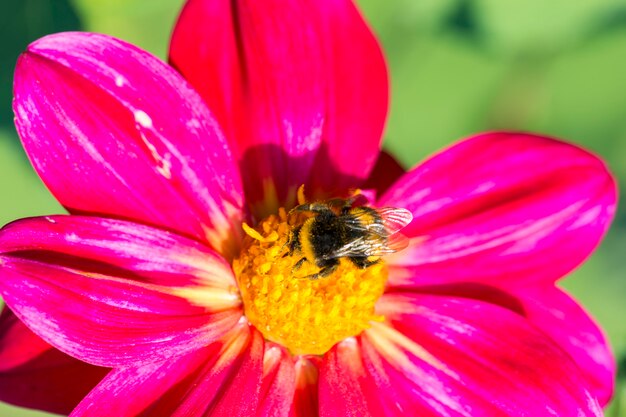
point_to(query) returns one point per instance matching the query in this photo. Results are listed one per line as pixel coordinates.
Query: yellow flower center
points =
(308, 316)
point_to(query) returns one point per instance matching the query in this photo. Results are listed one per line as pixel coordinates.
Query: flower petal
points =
(231, 387)
(85, 302)
(448, 356)
(224, 377)
(560, 317)
(113, 130)
(504, 208)
(278, 384)
(18, 345)
(139, 252)
(300, 86)
(344, 389)
(566, 322)
(306, 398)
(35, 375)
(145, 385)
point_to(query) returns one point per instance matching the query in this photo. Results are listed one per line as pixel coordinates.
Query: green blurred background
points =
(458, 67)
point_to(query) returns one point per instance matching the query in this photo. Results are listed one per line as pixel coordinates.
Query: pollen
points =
(307, 316)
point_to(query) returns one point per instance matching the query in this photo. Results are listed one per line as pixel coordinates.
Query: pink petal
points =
(278, 384)
(230, 388)
(105, 320)
(146, 254)
(566, 322)
(306, 398)
(560, 317)
(127, 392)
(502, 208)
(113, 130)
(344, 386)
(18, 345)
(35, 375)
(224, 378)
(85, 302)
(294, 83)
(449, 356)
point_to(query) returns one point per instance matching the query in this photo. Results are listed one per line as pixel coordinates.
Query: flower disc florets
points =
(308, 316)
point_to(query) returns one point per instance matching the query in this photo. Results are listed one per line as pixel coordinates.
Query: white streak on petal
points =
(143, 119)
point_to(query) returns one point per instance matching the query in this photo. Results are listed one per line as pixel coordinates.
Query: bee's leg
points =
(363, 262)
(299, 264)
(348, 203)
(293, 243)
(329, 268)
(312, 207)
(347, 206)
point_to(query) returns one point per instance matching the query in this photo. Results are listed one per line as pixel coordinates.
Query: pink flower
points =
(151, 274)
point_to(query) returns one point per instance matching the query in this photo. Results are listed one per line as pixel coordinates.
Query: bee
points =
(339, 230)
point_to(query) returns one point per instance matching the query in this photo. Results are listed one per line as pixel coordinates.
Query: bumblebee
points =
(337, 230)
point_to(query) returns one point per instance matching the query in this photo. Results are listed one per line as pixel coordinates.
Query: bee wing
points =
(362, 247)
(397, 242)
(394, 219)
(380, 238)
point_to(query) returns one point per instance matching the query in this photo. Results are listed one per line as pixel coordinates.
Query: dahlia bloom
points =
(162, 303)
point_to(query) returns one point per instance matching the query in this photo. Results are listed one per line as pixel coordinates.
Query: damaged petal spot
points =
(72, 237)
(119, 81)
(142, 118)
(194, 124)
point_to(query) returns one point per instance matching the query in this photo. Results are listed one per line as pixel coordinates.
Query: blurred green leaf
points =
(10, 411)
(541, 27)
(22, 192)
(586, 98)
(441, 91)
(145, 23)
(464, 20)
(21, 22)
(615, 19)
